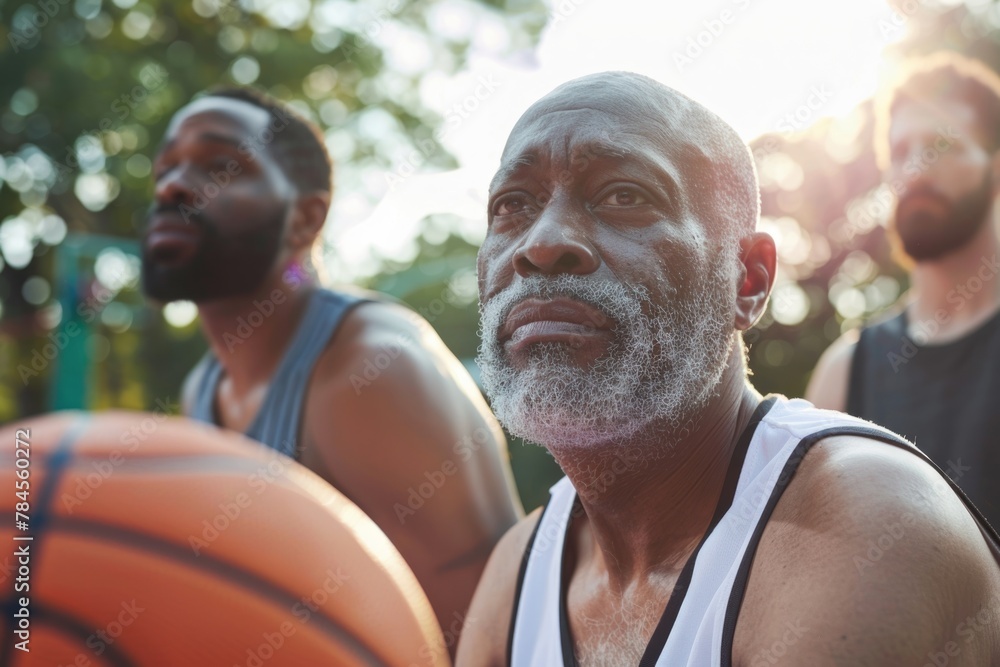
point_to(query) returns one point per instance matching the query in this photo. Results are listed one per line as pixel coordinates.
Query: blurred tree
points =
(821, 197)
(87, 87)
(86, 90)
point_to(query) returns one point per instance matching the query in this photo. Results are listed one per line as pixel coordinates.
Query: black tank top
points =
(943, 398)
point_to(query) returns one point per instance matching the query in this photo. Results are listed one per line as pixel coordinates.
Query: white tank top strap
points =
(701, 633)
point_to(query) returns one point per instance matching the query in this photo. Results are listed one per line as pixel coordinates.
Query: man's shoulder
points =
(386, 376)
(830, 381)
(865, 535)
(854, 483)
(846, 470)
(377, 338)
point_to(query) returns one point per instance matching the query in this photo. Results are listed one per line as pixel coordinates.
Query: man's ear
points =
(759, 259)
(308, 217)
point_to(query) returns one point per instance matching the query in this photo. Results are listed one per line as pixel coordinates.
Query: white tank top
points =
(704, 612)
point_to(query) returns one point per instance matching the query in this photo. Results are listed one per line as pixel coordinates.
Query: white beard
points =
(664, 363)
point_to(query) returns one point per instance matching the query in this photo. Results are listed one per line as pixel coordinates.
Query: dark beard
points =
(222, 266)
(927, 236)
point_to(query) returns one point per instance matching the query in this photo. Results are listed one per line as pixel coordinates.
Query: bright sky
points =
(763, 65)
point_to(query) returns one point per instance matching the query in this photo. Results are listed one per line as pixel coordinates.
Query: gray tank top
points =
(277, 423)
(943, 398)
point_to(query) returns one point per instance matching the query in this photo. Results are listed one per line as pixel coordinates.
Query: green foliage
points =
(86, 91)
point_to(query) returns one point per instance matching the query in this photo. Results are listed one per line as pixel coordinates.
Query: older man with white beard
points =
(698, 523)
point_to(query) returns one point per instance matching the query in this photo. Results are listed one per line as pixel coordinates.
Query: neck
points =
(958, 291)
(249, 333)
(648, 518)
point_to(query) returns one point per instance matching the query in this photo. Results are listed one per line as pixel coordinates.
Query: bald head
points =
(712, 167)
(619, 263)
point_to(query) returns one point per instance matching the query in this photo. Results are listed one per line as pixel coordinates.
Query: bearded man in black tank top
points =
(621, 265)
(930, 369)
(361, 391)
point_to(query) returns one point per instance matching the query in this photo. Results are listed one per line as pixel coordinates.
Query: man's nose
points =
(557, 242)
(174, 188)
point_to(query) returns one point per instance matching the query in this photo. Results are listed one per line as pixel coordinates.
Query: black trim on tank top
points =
(666, 623)
(520, 580)
(738, 591)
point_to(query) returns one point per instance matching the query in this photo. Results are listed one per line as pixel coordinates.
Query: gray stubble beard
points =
(664, 365)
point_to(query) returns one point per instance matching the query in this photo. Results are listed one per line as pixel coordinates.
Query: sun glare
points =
(765, 67)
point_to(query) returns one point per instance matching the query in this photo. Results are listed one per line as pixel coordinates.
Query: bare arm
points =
(829, 383)
(484, 642)
(403, 431)
(869, 560)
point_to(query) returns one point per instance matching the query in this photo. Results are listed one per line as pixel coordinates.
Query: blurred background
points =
(415, 98)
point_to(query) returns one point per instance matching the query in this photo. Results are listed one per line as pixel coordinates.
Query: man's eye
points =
(624, 197)
(510, 205)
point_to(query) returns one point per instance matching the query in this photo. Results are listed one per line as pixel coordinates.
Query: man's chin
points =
(928, 248)
(561, 431)
(171, 283)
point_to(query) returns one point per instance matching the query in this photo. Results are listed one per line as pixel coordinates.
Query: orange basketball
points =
(153, 540)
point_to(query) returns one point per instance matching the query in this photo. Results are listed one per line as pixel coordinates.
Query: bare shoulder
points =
(870, 559)
(484, 639)
(387, 360)
(381, 339)
(829, 382)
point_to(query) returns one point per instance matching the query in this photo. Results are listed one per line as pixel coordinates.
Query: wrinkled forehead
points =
(571, 139)
(571, 132)
(550, 129)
